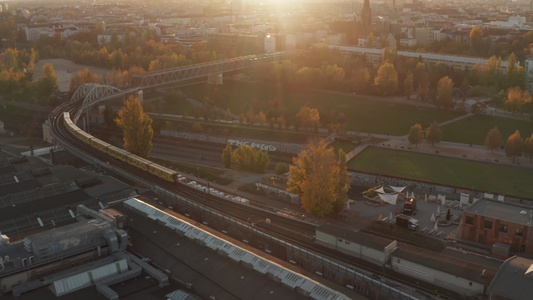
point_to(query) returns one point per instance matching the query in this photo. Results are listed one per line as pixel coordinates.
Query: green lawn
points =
(362, 114)
(474, 129)
(488, 177)
(346, 147)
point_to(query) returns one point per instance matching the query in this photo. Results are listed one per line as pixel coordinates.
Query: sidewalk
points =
(462, 151)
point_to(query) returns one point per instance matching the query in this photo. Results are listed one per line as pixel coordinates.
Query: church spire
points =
(366, 18)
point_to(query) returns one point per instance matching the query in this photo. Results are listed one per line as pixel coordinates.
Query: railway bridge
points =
(90, 93)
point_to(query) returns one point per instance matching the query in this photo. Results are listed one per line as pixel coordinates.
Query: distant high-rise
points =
(366, 18)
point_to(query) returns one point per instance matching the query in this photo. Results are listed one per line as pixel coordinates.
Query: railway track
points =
(288, 229)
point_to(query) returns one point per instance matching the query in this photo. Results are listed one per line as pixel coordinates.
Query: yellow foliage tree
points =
(513, 147)
(416, 135)
(408, 87)
(309, 118)
(319, 179)
(137, 127)
(434, 133)
(493, 140)
(387, 79)
(445, 92)
(83, 76)
(516, 99)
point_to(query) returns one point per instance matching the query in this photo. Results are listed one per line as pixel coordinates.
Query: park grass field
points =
(346, 147)
(499, 179)
(474, 129)
(361, 114)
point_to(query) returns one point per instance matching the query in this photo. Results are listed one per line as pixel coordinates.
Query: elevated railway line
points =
(296, 232)
(251, 213)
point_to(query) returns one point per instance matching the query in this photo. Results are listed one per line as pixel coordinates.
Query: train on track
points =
(447, 271)
(144, 164)
(121, 154)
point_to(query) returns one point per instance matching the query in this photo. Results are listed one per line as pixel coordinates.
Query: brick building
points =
(498, 224)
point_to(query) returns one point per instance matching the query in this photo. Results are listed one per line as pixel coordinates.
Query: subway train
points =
(451, 269)
(132, 159)
(144, 164)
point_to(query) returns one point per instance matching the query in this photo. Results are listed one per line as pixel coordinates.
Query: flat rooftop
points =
(207, 270)
(372, 241)
(514, 280)
(503, 211)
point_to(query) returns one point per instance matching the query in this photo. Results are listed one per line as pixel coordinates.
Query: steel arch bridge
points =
(92, 93)
(157, 78)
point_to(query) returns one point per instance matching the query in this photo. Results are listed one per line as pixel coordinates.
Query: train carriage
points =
(118, 153)
(163, 172)
(82, 135)
(138, 162)
(121, 154)
(99, 144)
(75, 130)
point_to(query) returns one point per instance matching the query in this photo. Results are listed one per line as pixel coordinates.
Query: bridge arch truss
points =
(91, 93)
(168, 76)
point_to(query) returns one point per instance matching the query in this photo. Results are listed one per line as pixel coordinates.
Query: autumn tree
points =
(408, 86)
(262, 161)
(309, 118)
(261, 117)
(416, 134)
(422, 90)
(476, 40)
(370, 40)
(250, 159)
(445, 92)
(137, 127)
(491, 72)
(47, 85)
(434, 133)
(421, 81)
(387, 79)
(282, 168)
(332, 76)
(511, 63)
(227, 156)
(343, 185)
(528, 146)
(315, 176)
(516, 76)
(493, 140)
(516, 99)
(82, 77)
(386, 55)
(514, 144)
(244, 157)
(16, 70)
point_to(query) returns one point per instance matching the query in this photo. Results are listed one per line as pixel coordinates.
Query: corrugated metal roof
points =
(288, 277)
(85, 279)
(179, 295)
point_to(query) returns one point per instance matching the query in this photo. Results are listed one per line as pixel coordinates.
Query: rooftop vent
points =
(40, 172)
(18, 160)
(85, 183)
